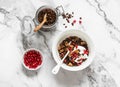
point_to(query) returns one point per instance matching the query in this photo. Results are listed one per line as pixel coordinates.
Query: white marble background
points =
(101, 20)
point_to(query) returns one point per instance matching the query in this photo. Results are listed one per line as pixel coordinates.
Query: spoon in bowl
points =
(41, 24)
(57, 67)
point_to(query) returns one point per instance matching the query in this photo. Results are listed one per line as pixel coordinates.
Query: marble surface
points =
(100, 20)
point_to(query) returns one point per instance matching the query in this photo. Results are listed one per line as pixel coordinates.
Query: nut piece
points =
(77, 51)
(70, 64)
(83, 43)
(61, 50)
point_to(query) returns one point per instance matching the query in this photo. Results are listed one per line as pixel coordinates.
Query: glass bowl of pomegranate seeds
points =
(80, 47)
(32, 59)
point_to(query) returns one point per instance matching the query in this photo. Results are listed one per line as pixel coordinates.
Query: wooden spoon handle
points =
(39, 26)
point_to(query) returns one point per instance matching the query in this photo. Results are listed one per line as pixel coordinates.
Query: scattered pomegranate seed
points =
(80, 22)
(74, 21)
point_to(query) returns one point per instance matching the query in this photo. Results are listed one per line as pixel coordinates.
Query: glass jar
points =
(32, 23)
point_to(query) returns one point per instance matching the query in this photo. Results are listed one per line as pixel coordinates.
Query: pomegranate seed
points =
(74, 21)
(76, 46)
(86, 52)
(70, 49)
(80, 22)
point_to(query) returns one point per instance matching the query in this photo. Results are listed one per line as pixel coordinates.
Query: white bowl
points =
(28, 67)
(83, 36)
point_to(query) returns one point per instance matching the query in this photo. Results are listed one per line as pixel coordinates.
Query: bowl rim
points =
(64, 66)
(32, 69)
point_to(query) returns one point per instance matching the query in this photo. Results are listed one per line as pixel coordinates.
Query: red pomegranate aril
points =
(32, 59)
(74, 21)
(76, 46)
(79, 63)
(70, 49)
(65, 61)
(86, 52)
(38, 59)
(80, 22)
